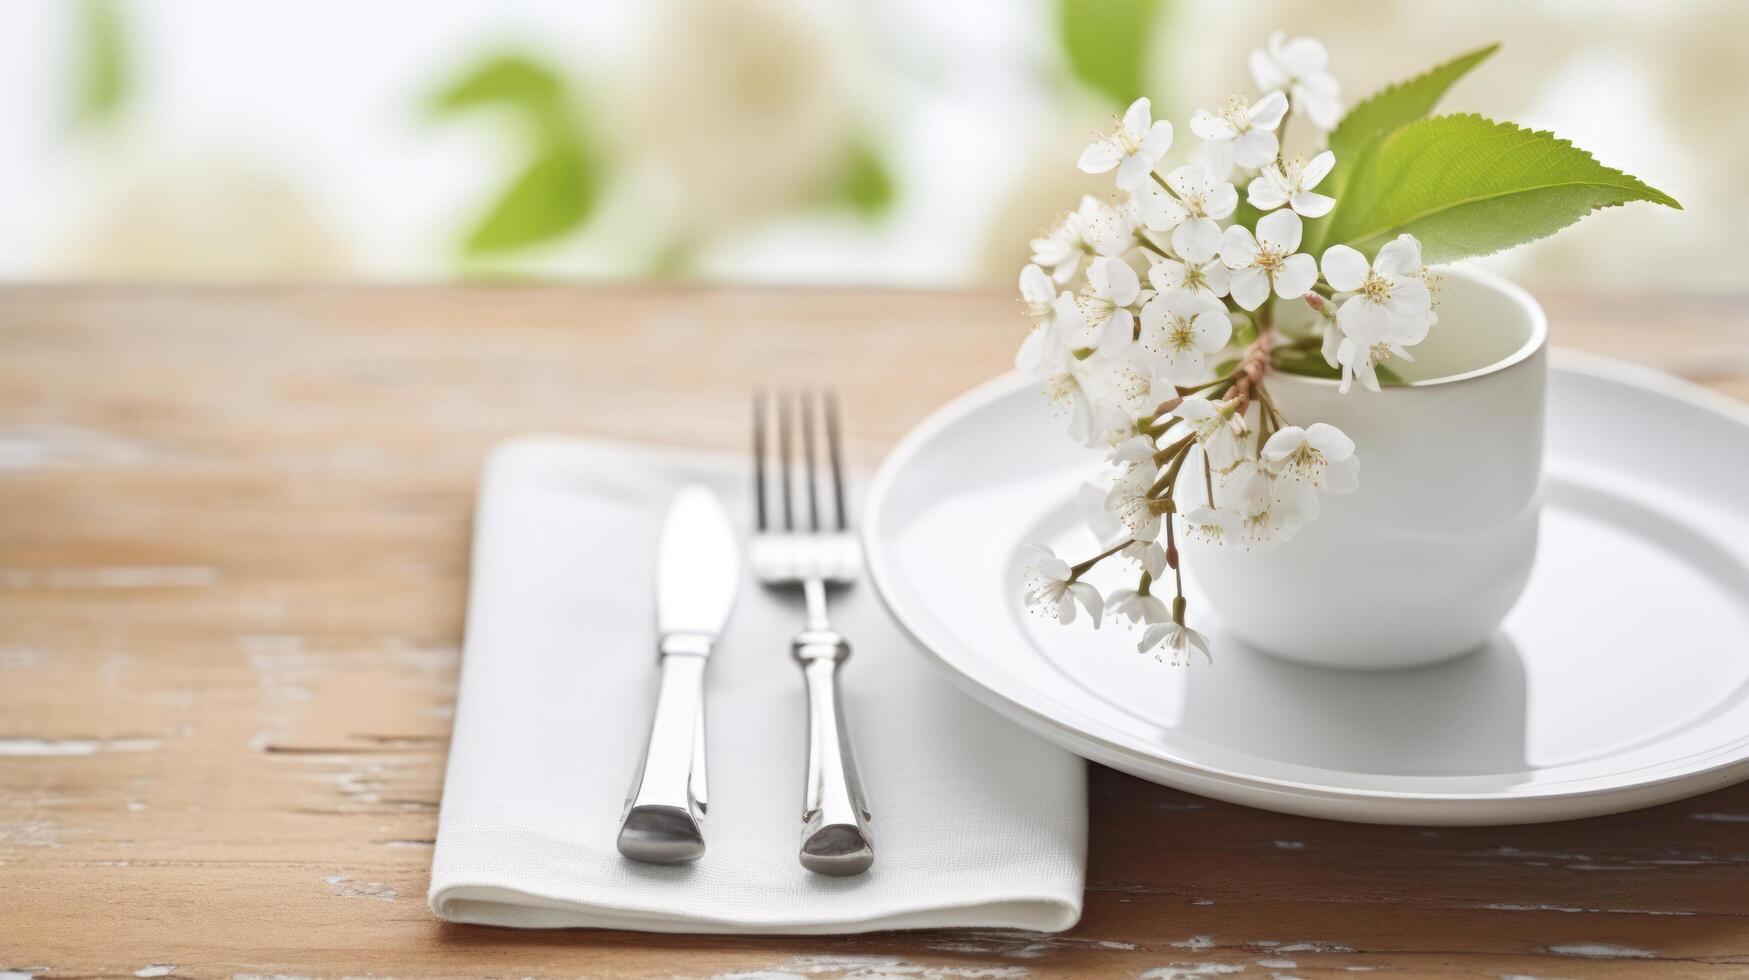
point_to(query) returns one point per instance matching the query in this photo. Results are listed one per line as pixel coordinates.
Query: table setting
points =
(1418, 645)
(1271, 587)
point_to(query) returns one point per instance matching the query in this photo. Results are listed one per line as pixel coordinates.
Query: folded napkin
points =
(976, 823)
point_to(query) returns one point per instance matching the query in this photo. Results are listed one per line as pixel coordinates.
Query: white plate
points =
(1620, 680)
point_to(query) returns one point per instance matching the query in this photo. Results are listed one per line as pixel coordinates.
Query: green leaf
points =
(1465, 185)
(548, 199)
(1378, 116)
(1390, 109)
(1311, 364)
(507, 78)
(1107, 44)
(865, 185)
(102, 63)
(556, 189)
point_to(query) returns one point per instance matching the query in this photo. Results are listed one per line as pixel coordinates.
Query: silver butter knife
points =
(698, 567)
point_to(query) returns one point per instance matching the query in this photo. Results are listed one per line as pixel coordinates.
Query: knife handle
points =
(835, 835)
(664, 816)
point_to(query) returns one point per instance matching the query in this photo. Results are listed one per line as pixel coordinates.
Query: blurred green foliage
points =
(1107, 44)
(101, 63)
(866, 185)
(556, 190)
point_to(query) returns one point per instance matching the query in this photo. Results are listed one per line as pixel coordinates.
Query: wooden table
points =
(233, 539)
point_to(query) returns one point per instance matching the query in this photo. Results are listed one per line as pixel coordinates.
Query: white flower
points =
(1052, 337)
(1128, 385)
(1188, 206)
(1112, 229)
(1249, 128)
(1197, 271)
(1074, 386)
(1321, 456)
(1211, 524)
(1389, 308)
(1218, 429)
(1300, 65)
(1180, 329)
(1038, 295)
(1271, 508)
(1268, 259)
(1105, 301)
(1138, 608)
(1130, 500)
(1150, 555)
(1136, 455)
(1291, 184)
(1134, 147)
(1390, 300)
(1048, 586)
(1061, 248)
(1174, 639)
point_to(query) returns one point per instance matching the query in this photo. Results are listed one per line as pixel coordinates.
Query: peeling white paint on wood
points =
(1188, 971)
(131, 577)
(1196, 942)
(30, 833)
(1602, 951)
(875, 966)
(22, 658)
(156, 970)
(59, 747)
(348, 887)
(1514, 907)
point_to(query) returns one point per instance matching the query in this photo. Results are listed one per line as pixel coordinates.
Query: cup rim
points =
(1538, 339)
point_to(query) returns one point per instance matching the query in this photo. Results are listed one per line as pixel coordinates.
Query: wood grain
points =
(233, 533)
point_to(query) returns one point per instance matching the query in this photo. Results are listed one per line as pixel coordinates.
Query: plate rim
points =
(1248, 788)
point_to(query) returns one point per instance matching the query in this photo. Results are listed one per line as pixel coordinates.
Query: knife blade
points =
(698, 565)
(698, 570)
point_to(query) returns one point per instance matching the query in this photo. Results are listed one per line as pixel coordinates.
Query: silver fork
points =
(799, 549)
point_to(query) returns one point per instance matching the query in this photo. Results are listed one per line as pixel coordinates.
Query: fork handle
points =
(835, 836)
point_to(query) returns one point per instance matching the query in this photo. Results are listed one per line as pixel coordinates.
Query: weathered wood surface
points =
(233, 534)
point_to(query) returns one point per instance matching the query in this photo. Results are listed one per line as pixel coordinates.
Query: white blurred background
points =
(903, 142)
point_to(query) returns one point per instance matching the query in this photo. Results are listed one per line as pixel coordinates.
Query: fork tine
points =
(759, 458)
(785, 480)
(834, 456)
(807, 411)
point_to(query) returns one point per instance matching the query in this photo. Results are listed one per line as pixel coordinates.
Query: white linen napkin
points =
(976, 822)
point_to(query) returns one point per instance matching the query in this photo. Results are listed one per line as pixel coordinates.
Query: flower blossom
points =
(1134, 147)
(1133, 504)
(1213, 525)
(1180, 329)
(1291, 184)
(1049, 587)
(1218, 429)
(1137, 607)
(1320, 456)
(1300, 65)
(1175, 639)
(1195, 271)
(1062, 247)
(1247, 128)
(1386, 310)
(1267, 259)
(1105, 301)
(1188, 206)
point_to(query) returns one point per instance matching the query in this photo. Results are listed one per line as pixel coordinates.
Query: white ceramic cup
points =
(1423, 561)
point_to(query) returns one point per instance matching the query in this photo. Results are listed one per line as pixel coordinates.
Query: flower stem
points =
(1178, 452)
(1076, 571)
